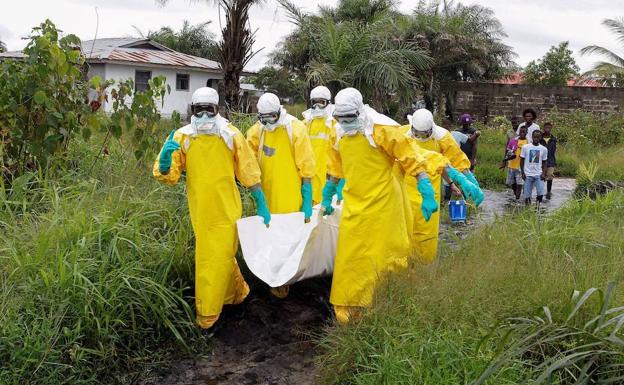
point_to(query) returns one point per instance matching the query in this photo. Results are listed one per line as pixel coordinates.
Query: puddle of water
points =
(499, 203)
(267, 341)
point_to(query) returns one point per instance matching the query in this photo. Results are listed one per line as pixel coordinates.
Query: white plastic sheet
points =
(290, 250)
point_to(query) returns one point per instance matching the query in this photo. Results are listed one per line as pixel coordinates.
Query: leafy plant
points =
(42, 100)
(582, 348)
(556, 68)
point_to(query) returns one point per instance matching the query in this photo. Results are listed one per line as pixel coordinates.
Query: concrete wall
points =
(176, 100)
(488, 99)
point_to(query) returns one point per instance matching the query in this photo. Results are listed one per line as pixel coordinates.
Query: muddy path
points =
(268, 341)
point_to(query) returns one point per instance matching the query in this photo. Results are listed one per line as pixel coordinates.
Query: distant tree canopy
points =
(556, 68)
(609, 72)
(280, 82)
(2, 46)
(370, 45)
(193, 40)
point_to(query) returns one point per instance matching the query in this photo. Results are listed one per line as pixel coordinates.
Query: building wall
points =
(488, 99)
(176, 100)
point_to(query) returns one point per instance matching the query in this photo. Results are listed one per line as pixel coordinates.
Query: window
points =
(211, 83)
(182, 82)
(141, 80)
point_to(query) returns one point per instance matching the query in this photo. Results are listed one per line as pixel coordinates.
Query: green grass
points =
(427, 322)
(96, 271)
(570, 156)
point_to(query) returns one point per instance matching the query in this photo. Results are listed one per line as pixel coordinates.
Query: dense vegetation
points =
(428, 323)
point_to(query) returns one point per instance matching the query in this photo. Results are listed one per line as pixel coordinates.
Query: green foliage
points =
(427, 322)
(366, 52)
(194, 40)
(556, 68)
(138, 118)
(43, 104)
(280, 82)
(610, 72)
(587, 129)
(95, 271)
(3, 47)
(42, 100)
(583, 345)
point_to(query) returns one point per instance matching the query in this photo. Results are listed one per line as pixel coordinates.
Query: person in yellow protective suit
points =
(373, 237)
(286, 159)
(322, 132)
(428, 136)
(213, 153)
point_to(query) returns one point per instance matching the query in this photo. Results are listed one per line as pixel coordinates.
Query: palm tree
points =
(235, 49)
(355, 44)
(609, 72)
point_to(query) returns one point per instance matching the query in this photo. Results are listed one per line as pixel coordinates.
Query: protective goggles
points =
(319, 103)
(269, 118)
(422, 135)
(347, 118)
(200, 110)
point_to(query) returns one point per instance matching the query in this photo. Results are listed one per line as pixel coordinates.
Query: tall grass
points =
(427, 322)
(95, 271)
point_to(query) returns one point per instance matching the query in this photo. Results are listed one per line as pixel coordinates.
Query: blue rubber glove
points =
(339, 189)
(468, 174)
(429, 204)
(329, 191)
(164, 161)
(306, 194)
(261, 206)
(470, 190)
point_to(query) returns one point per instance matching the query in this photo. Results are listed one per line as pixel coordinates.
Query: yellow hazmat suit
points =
(285, 156)
(212, 164)
(373, 237)
(425, 233)
(322, 133)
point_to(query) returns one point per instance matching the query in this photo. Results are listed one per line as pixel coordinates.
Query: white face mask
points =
(316, 111)
(204, 125)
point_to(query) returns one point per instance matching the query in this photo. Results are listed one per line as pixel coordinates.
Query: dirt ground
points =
(268, 341)
(265, 341)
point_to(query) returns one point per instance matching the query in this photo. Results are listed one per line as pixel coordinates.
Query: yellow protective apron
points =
(215, 205)
(425, 233)
(373, 238)
(320, 136)
(280, 179)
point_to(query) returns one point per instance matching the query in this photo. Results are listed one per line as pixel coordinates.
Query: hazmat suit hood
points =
(350, 101)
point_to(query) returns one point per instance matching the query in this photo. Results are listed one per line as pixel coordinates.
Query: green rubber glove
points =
(164, 161)
(261, 206)
(306, 194)
(429, 204)
(468, 188)
(339, 189)
(329, 191)
(468, 174)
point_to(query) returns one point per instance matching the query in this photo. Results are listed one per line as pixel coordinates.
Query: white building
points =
(143, 59)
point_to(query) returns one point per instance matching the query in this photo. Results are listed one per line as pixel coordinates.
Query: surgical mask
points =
(350, 122)
(204, 124)
(318, 112)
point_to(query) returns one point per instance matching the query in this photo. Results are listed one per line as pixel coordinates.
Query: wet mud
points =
(270, 341)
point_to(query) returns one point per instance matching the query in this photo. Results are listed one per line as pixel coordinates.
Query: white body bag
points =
(290, 250)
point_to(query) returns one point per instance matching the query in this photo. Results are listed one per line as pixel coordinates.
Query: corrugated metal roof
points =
(122, 50)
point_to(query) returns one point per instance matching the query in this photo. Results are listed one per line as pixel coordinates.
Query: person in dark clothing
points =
(469, 147)
(550, 142)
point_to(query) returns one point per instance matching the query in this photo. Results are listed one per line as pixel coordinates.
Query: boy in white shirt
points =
(533, 158)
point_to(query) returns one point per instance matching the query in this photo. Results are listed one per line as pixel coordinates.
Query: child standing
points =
(550, 142)
(533, 163)
(514, 174)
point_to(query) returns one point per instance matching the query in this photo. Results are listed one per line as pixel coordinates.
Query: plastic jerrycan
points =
(457, 211)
